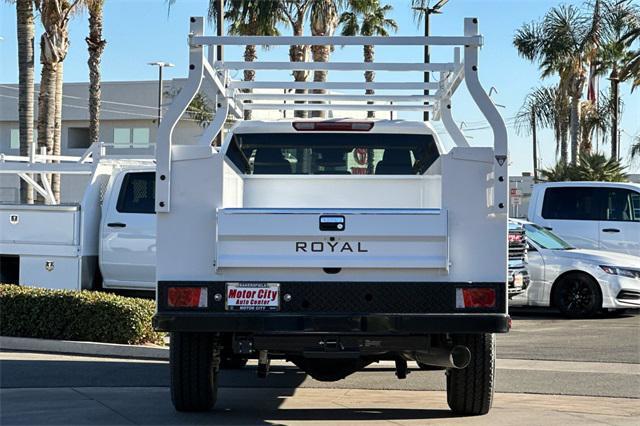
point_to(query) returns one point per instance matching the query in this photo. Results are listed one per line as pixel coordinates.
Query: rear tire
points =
(194, 359)
(470, 390)
(577, 296)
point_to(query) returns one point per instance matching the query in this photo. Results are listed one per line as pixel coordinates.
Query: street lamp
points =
(160, 66)
(426, 11)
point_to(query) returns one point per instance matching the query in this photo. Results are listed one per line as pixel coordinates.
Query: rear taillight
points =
(515, 238)
(327, 126)
(475, 298)
(187, 297)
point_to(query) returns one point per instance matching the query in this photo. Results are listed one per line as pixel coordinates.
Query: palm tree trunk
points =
(250, 55)
(298, 53)
(614, 116)
(564, 146)
(96, 46)
(57, 134)
(47, 110)
(320, 54)
(575, 118)
(369, 76)
(575, 128)
(26, 58)
(535, 145)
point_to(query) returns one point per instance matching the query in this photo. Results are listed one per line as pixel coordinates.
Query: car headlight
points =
(623, 272)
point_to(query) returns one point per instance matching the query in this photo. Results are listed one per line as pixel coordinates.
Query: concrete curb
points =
(83, 348)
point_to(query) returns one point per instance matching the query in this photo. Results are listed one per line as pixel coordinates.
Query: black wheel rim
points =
(577, 297)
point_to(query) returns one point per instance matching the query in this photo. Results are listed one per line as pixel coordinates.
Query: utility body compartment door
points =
(346, 238)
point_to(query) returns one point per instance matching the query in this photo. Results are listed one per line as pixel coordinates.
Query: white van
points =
(593, 215)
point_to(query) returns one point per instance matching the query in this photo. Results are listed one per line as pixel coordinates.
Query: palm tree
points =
(596, 167)
(594, 117)
(631, 69)
(324, 17)
(54, 44)
(96, 45)
(26, 34)
(592, 167)
(294, 13)
(563, 43)
(559, 173)
(619, 18)
(254, 18)
(367, 18)
(546, 107)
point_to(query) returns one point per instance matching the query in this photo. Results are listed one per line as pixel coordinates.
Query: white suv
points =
(591, 215)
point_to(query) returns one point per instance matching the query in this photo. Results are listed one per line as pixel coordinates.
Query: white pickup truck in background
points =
(590, 215)
(106, 240)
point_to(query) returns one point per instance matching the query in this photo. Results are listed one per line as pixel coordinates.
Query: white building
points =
(128, 125)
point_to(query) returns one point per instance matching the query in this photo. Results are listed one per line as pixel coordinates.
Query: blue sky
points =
(139, 31)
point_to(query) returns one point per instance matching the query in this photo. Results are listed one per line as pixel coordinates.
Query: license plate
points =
(253, 297)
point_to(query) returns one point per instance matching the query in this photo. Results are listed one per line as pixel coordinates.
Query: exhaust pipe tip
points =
(460, 356)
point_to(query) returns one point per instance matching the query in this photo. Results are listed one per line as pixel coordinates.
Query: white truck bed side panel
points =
(478, 251)
(337, 191)
(196, 193)
(233, 187)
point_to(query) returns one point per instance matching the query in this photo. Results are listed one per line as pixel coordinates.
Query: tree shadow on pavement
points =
(542, 313)
(75, 391)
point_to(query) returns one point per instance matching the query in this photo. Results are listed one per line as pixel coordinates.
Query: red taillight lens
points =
(515, 238)
(475, 298)
(327, 126)
(187, 297)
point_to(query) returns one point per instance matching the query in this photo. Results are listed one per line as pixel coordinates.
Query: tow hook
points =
(401, 368)
(263, 364)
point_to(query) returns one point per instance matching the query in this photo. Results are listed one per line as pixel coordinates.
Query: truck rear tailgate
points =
(345, 238)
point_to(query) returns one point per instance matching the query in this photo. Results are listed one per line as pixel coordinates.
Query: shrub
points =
(72, 315)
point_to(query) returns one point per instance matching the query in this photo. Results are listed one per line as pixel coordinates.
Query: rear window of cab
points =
(308, 153)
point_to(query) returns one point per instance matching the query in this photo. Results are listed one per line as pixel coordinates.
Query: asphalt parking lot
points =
(549, 370)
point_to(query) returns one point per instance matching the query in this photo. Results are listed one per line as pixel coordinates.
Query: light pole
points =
(160, 66)
(426, 11)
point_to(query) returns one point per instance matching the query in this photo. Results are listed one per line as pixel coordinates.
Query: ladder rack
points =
(233, 97)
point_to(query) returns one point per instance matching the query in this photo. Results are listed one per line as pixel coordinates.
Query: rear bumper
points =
(341, 307)
(378, 324)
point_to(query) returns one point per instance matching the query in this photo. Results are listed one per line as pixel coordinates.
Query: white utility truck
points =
(106, 240)
(276, 245)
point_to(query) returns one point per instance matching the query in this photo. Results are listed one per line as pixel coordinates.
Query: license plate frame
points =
(252, 297)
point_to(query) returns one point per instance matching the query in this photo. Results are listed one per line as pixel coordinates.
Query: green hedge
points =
(72, 315)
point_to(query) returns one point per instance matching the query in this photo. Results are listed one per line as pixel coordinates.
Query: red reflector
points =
(475, 298)
(341, 126)
(187, 297)
(515, 238)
